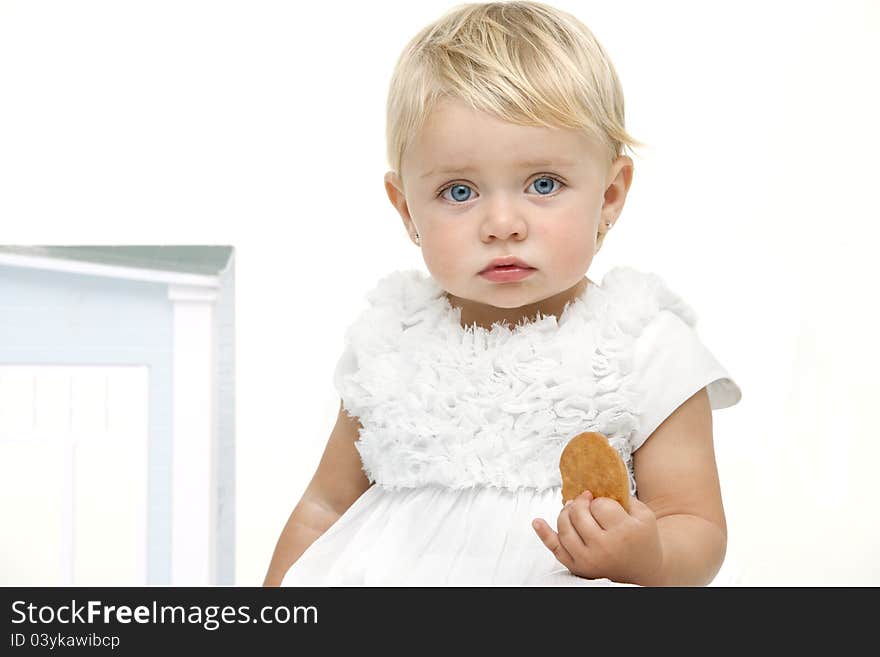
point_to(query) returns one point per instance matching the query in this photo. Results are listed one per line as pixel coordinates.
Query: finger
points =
(551, 540)
(568, 535)
(582, 519)
(608, 512)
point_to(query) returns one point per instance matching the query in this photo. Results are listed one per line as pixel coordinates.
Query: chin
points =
(513, 300)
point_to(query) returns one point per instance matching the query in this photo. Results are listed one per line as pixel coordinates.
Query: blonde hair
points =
(523, 62)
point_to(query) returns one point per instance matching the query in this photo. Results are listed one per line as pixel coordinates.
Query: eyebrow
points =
(522, 165)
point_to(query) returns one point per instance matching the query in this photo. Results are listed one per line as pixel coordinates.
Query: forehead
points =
(456, 137)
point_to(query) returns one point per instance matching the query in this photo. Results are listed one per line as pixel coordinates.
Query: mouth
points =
(507, 273)
(507, 263)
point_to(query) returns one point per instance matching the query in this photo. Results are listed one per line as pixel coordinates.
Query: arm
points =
(675, 533)
(336, 484)
(678, 480)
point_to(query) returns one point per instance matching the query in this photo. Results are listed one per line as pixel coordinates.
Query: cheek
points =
(573, 256)
(437, 263)
(445, 254)
(572, 245)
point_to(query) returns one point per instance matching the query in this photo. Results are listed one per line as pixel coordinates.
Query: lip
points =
(506, 261)
(507, 274)
(507, 270)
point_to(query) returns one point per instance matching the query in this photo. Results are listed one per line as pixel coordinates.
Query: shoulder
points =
(644, 296)
(390, 301)
(669, 361)
(397, 302)
(404, 290)
(664, 324)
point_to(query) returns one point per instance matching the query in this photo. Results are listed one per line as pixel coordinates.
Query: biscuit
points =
(589, 462)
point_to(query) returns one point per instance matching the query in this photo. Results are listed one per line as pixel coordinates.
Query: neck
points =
(484, 315)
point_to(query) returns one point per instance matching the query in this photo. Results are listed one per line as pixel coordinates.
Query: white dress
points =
(463, 427)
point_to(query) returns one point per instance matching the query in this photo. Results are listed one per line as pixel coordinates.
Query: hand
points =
(598, 538)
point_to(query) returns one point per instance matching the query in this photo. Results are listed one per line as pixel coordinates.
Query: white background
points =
(261, 125)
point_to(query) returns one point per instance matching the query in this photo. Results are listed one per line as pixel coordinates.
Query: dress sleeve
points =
(672, 365)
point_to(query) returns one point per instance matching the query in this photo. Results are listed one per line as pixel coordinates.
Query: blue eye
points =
(545, 188)
(461, 192)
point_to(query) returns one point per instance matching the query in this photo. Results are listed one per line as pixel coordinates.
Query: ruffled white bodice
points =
(461, 407)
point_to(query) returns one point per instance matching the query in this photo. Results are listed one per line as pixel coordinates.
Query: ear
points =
(619, 179)
(394, 189)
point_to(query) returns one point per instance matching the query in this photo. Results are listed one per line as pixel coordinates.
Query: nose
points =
(502, 221)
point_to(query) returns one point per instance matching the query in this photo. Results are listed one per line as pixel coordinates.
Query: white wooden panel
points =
(127, 403)
(16, 401)
(89, 401)
(75, 454)
(52, 401)
(109, 540)
(32, 489)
